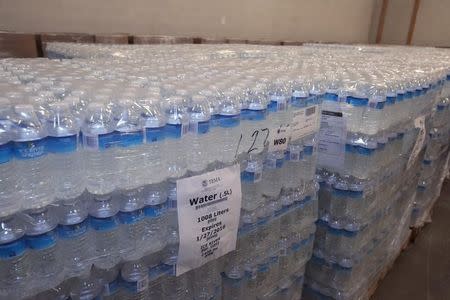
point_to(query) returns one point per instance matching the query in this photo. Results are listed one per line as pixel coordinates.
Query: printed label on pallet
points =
(332, 136)
(279, 138)
(305, 122)
(209, 208)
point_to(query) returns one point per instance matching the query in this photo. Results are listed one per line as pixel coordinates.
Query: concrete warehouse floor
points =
(422, 272)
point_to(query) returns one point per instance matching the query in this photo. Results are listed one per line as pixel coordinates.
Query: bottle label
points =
(169, 270)
(253, 115)
(13, 249)
(64, 144)
(300, 94)
(103, 224)
(154, 211)
(377, 102)
(277, 103)
(111, 288)
(72, 231)
(199, 127)
(6, 152)
(131, 217)
(332, 138)
(136, 287)
(41, 241)
(208, 212)
(357, 102)
(176, 131)
(308, 150)
(99, 142)
(129, 139)
(30, 149)
(229, 121)
(253, 176)
(294, 154)
(274, 163)
(331, 96)
(153, 135)
(305, 122)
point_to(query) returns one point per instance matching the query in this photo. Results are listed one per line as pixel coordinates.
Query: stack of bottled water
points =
(93, 143)
(434, 166)
(368, 188)
(92, 150)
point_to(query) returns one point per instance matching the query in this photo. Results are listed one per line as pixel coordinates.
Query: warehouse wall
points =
(432, 24)
(301, 20)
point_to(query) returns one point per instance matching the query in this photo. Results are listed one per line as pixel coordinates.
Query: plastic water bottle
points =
(34, 185)
(128, 153)
(176, 128)
(109, 279)
(135, 282)
(154, 134)
(132, 218)
(65, 157)
(45, 254)
(88, 287)
(74, 236)
(14, 259)
(9, 204)
(251, 182)
(227, 138)
(106, 231)
(174, 287)
(156, 219)
(197, 140)
(253, 117)
(98, 141)
(207, 281)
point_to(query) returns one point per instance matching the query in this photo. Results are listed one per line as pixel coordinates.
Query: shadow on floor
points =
(422, 272)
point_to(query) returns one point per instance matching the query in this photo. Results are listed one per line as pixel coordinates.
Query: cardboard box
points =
(264, 42)
(292, 43)
(161, 39)
(16, 44)
(237, 41)
(111, 38)
(213, 41)
(64, 37)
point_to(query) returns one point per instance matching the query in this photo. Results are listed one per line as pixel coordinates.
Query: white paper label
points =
(209, 208)
(332, 136)
(419, 122)
(305, 122)
(279, 138)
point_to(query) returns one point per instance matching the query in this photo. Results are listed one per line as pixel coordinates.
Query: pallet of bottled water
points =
(376, 121)
(434, 165)
(93, 150)
(96, 143)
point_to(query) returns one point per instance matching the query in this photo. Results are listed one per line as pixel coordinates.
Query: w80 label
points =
(279, 138)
